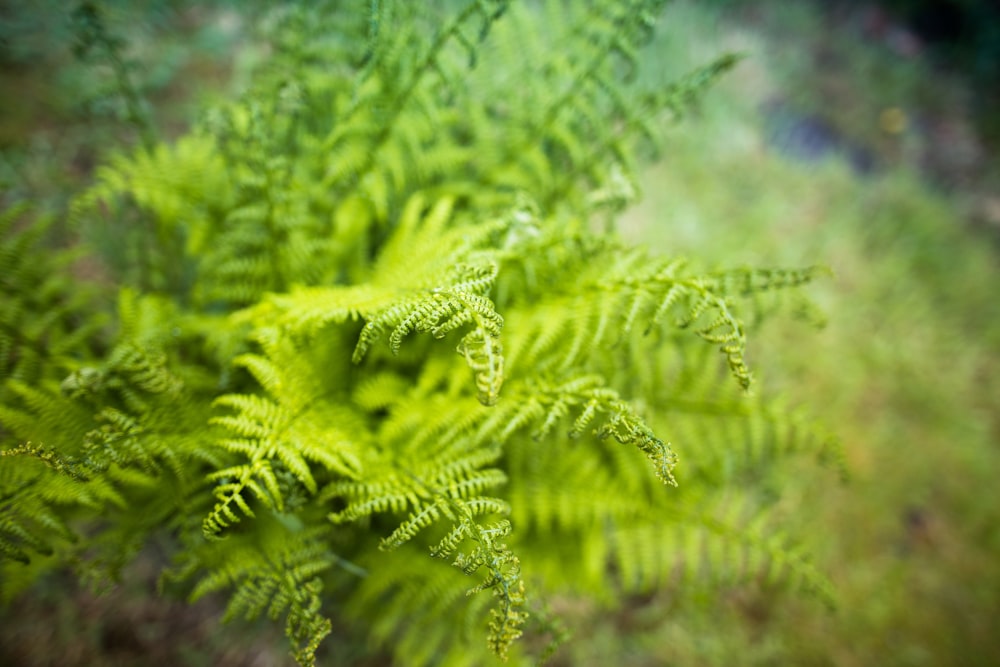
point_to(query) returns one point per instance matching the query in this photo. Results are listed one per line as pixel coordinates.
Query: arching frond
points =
(297, 425)
(713, 547)
(277, 571)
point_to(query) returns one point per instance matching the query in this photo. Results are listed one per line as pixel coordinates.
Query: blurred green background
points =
(850, 135)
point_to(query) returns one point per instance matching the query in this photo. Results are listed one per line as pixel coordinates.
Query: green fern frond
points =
(173, 183)
(380, 391)
(489, 555)
(477, 16)
(299, 423)
(27, 522)
(118, 441)
(168, 195)
(277, 571)
(439, 312)
(680, 94)
(729, 434)
(580, 104)
(503, 577)
(414, 289)
(418, 483)
(443, 506)
(661, 288)
(717, 547)
(34, 499)
(442, 483)
(42, 414)
(143, 411)
(113, 432)
(581, 405)
(638, 293)
(420, 611)
(48, 320)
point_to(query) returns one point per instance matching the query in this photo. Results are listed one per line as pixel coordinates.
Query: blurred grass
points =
(791, 161)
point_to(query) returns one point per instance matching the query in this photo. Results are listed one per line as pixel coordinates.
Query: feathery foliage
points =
(270, 400)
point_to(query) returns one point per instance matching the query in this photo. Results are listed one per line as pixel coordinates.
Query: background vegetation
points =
(839, 139)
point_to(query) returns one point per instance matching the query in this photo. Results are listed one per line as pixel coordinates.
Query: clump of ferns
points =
(376, 359)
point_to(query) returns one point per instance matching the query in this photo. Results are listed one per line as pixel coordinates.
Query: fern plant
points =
(377, 358)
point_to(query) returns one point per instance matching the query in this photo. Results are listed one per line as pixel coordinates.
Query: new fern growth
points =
(373, 358)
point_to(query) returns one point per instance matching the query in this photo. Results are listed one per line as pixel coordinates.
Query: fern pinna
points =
(376, 361)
